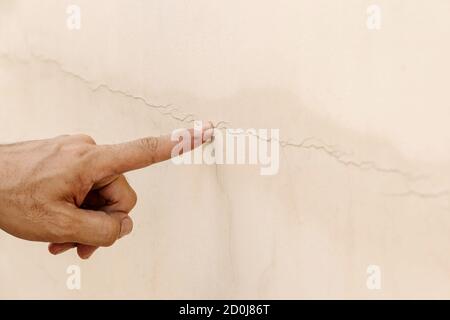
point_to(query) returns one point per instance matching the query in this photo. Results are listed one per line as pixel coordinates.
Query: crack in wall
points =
(419, 194)
(167, 110)
(310, 143)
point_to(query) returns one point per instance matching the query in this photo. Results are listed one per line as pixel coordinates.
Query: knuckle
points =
(129, 200)
(133, 197)
(129, 196)
(84, 138)
(150, 144)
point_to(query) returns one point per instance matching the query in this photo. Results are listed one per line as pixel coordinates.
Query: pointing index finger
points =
(133, 155)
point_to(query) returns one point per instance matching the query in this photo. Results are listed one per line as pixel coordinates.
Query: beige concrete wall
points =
(365, 180)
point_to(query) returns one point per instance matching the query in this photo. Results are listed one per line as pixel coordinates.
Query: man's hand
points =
(72, 193)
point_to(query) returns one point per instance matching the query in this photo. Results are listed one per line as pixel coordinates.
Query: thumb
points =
(97, 228)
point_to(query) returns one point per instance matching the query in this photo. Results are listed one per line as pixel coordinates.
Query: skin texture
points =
(72, 193)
